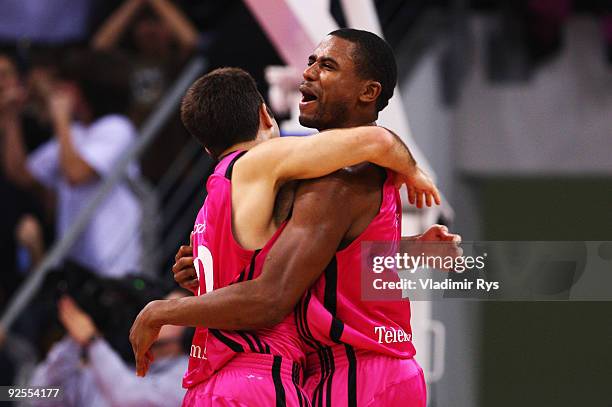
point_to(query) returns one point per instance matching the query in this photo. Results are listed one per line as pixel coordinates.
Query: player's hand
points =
(437, 241)
(420, 188)
(183, 269)
(439, 233)
(142, 335)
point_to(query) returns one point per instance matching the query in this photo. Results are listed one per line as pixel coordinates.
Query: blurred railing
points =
(149, 130)
(182, 192)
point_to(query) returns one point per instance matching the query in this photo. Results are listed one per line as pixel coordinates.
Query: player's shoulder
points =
(216, 183)
(350, 183)
(364, 175)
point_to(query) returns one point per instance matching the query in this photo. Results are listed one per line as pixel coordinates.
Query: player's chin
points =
(308, 120)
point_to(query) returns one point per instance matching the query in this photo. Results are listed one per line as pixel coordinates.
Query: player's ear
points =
(266, 118)
(371, 91)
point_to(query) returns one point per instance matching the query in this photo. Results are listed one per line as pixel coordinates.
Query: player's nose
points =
(310, 73)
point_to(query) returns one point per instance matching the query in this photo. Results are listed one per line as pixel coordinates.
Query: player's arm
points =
(298, 257)
(285, 158)
(259, 174)
(296, 260)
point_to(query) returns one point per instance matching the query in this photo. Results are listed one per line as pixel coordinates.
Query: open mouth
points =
(307, 95)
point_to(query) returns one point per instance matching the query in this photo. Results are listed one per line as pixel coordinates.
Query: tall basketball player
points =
(237, 217)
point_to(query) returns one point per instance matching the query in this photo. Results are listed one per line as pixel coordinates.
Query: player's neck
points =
(351, 123)
(244, 146)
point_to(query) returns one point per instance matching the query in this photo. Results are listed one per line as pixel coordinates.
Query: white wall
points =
(560, 122)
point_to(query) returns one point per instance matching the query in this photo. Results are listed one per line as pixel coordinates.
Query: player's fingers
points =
(399, 181)
(443, 233)
(184, 276)
(142, 362)
(437, 196)
(419, 199)
(133, 343)
(458, 251)
(138, 358)
(183, 251)
(192, 283)
(140, 366)
(411, 196)
(148, 360)
(428, 198)
(183, 263)
(150, 356)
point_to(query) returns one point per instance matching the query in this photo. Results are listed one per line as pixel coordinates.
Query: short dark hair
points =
(222, 108)
(374, 59)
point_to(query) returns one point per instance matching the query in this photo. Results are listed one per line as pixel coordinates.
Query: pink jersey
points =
(332, 311)
(221, 261)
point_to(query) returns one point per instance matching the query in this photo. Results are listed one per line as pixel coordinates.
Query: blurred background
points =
(508, 103)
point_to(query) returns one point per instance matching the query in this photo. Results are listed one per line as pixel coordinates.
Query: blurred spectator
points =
(21, 235)
(159, 39)
(103, 379)
(86, 112)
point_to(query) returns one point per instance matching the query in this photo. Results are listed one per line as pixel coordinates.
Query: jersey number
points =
(204, 262)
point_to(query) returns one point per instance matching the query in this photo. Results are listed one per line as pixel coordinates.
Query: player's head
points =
(349, 79)
(224, 108)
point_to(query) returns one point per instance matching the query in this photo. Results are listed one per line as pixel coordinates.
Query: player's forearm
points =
(326, 152)
(396, 155)
(238, 306)
(341, 148)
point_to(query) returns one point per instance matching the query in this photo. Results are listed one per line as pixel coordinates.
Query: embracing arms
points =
(260, 173)
(305, 247)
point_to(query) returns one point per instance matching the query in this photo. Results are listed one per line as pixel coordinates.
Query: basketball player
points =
(237, 217)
